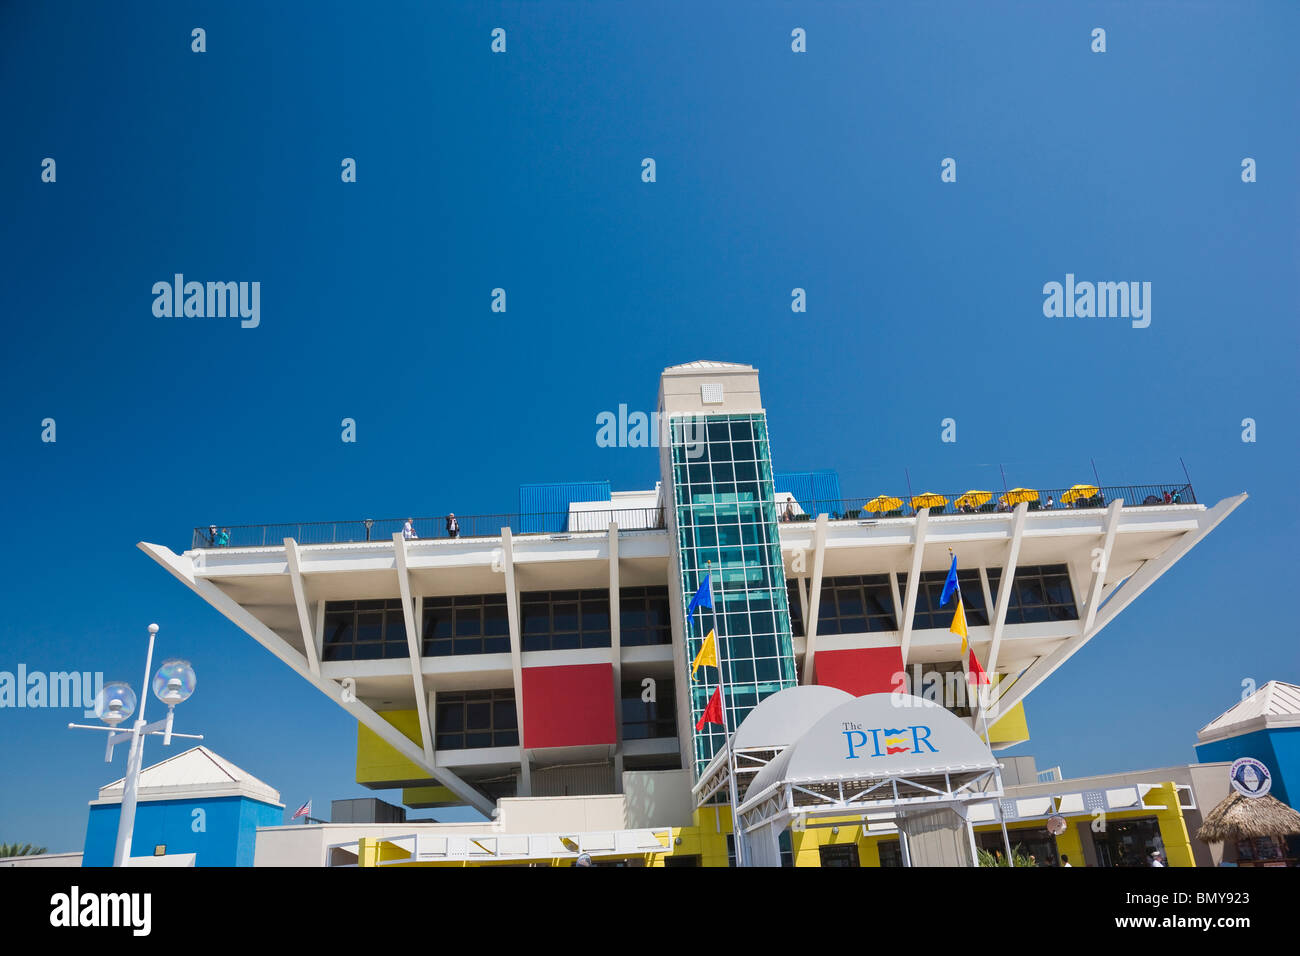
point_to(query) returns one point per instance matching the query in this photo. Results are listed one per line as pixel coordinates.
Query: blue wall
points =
(228, 839)
(546, 507)
(809, 486)
(1277, 749)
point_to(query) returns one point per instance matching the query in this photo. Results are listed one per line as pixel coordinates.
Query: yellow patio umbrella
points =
(929, 500)
(973, 499)
(1017, 495)
(883, 503)
(1079, 491)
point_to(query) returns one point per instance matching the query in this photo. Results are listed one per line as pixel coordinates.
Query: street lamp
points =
(173, 684)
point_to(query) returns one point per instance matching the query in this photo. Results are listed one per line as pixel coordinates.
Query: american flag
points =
(302, 811)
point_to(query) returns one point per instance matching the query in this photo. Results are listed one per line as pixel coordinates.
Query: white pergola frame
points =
(776, 802)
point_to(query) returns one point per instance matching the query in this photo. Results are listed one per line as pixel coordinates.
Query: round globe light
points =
(115, 702)
(174, 681)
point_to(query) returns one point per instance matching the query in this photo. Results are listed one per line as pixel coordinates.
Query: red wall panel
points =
(569, 706)
(863, 670)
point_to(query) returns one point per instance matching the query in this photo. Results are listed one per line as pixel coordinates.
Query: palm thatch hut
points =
(1248, 818)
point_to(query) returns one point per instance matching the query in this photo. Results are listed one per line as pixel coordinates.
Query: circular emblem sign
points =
(1250, 777)
(1056, 825)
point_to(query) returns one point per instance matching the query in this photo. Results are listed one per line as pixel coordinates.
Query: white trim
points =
(413, 644)
(1006, 580)
(814, 601)
(914, 581)
(300, 603)
(516, 655)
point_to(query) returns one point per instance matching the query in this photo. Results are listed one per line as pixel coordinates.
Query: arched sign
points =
(880, 735)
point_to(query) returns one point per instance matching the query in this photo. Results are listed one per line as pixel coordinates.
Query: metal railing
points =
(383, 529)
(1043, 499)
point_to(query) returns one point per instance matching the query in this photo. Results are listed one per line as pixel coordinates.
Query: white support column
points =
(183, 569)
(616, 645)
(814, 602)
(516, 654)
(1109, 528)
(320, 629)
(1006, 582)
(1138, 582)
(914, 581)
(413, 644)
(300, 603)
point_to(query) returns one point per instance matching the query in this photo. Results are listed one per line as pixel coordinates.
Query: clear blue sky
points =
(775, 170)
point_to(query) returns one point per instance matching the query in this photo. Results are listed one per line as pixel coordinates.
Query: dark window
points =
(891, 853)
(929, 613)
(364, 630)
(646, 719)
(1041, 593)
(839, 854)
(562, 620)
(466, 624)
(643, 616)
(476, 718)
(852, 604)
(787, 849)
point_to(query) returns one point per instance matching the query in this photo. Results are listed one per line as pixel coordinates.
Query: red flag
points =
(977, 674)
(712, 713)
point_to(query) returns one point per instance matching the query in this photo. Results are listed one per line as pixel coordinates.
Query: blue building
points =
(193, 809)
(1266, 726)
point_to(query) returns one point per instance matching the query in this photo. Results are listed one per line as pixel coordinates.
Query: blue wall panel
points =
(1277, 749)
(546, 507)
(809, 486)
(227, 838)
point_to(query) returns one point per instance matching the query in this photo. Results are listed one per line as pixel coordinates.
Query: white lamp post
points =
(172, 685)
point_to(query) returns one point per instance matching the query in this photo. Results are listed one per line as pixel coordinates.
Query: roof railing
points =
(465, 526)
(984, 501)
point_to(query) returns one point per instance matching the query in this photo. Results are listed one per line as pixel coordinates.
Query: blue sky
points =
(775, 170)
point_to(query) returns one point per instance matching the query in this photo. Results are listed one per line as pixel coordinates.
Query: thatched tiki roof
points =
(1245, 818)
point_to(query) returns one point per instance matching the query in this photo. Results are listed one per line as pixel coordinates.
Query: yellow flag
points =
(959, 623)
(708, 654)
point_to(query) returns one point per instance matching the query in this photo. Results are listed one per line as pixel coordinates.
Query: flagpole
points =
(979, 716)
(726, 725)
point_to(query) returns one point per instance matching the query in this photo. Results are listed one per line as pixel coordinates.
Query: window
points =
(476, 718)
(839, 854)
(466, 624)
(787, 850)
(564, 620)
(646, 719)
(364, 630)
(1041, 593)
(853, 604)
(643, 616)
(929, 613)
(891, 852)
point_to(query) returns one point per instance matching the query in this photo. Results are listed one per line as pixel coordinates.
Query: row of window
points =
(488, 718)
(480, 624)
(857, 604)
(558, 620)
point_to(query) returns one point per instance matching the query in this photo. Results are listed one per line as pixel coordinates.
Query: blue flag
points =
(703, 598)
(950, 585)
